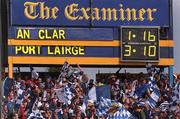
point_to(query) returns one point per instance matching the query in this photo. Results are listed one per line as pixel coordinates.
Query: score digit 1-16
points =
(140, 44)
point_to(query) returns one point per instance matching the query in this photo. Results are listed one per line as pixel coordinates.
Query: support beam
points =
(1, 95)
(10, 70)
(171, 78)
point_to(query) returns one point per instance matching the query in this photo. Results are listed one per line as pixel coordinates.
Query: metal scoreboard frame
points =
(33, 36)
(140, 27)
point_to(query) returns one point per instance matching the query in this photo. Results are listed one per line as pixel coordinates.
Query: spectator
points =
(31, 98)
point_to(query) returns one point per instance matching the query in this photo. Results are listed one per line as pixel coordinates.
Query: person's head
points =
(93, 110)
(125, 80)
(162, 115)
(72, 106)
(166, 81)
(8, 98)
(155, 117)
(85, 117)
(15, 116)
(54, 115)
(25, 104)
(143, 80)
(11, 94)
(5, 108)
(113, 77)
(54, 100)
(166, 77)
(157, 77)
(26, 77)
(64, 108)
(85, 78)
(91, 83)
(78, 109)
(18, 78)
(39, 80)
(48, 80)
(177, 80)
(177, 116)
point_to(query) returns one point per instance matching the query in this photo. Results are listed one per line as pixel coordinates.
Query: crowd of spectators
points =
(36, 98)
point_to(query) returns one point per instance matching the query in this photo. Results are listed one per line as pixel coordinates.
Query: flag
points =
(104, 105)
(69, 93)
(66, 93)
(122, 113)
(36, 115)
(176, 92)
(69, 72)
(133, 87)
(60, 94)
(84, 105)
(164, 106)
(95, 93)
(140, 91)
(112, 109)
(7, 85)
(64, 71)
(152, 100)
(34, 74)
(92, 94)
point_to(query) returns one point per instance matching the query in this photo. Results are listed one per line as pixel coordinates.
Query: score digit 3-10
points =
(140, 44)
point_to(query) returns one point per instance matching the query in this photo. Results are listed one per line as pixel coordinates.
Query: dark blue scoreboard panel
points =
(140, 44)
(90, 32)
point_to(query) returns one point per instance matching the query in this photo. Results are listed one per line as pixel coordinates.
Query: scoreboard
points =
(125, 33)
(140, 44)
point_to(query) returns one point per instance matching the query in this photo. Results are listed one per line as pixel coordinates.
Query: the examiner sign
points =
(90, 12)
(89, 32)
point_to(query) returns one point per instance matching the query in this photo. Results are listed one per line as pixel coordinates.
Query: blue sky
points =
(176, 14)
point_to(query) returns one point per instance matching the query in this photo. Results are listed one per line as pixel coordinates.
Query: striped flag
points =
(164, 106)
(152, 100)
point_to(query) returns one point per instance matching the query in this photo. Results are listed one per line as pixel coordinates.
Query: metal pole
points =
(3, 36)
(171, 78)
(170, 68)
(1, 58)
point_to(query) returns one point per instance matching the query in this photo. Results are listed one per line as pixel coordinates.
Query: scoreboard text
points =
(140, 44)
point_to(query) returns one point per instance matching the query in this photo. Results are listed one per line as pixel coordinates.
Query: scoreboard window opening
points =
(140, 44)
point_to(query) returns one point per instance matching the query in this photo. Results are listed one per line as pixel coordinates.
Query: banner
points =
(90, 13)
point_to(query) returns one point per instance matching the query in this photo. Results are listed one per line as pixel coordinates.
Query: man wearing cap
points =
(115, 90)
